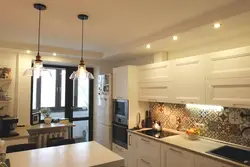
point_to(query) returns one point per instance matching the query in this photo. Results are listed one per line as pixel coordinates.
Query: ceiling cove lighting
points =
(175, 38)
(82, 72)
(205, 107)
(148, 46)
(37, 70)
(217, 25)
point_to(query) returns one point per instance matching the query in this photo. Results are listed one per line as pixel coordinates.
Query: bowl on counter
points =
(193, 133)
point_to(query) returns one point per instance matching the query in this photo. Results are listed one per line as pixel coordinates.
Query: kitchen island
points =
(74, 155)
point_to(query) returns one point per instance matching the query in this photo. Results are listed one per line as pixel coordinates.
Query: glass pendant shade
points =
(81, 73)
(37, 70)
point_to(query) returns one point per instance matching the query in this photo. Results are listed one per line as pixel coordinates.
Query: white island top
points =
(74, 155)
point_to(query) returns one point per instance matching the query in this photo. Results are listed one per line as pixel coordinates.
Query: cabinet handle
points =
(145, 161)
(241, 105)
(175, 150)
(129, 140)
(145, 140)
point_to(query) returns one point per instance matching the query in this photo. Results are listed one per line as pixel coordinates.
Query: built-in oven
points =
(120, 134)
(120, 109)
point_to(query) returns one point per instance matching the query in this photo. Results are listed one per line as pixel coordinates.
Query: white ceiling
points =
(114, 26)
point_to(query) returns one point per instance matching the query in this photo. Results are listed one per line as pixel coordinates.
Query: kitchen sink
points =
(232, 153)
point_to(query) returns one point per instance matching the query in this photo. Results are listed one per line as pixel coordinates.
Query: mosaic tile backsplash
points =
(222, 125)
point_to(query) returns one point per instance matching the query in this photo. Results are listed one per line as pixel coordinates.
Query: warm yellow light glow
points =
(28, 51)
(54, 54)
(217, 25)
(148, 46)
(175, 38)
(205, 107)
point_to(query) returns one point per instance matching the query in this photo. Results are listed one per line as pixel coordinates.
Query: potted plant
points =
(46, 113)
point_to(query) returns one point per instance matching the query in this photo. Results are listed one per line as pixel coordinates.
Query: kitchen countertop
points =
(200, 146)
(75, 155)
(49, 126)
(23, 133)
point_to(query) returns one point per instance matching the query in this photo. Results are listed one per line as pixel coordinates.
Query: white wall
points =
(20, 88)
(8, 59)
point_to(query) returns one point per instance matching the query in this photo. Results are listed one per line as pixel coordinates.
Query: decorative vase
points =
(47, 120)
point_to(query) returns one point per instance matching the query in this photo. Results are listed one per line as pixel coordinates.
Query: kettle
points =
(157, 126)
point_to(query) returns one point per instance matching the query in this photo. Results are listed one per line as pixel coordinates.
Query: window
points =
(49, 92)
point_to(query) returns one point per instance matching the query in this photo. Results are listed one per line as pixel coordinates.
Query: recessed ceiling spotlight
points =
(175, 38)
(54, 54)
(217, 25)
(28, 51)
(148, 46)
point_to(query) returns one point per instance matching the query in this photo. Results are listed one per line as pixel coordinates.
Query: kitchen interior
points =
(119, 90)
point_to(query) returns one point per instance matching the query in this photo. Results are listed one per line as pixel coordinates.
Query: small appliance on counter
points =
(7, 126)
(148, 120)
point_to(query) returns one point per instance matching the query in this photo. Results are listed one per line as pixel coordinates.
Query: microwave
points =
(120, 110)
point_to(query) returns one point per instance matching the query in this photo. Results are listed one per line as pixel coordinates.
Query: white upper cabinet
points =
(230, 92)
(155, 82)
(156, 92)
(173, 157)
(234, 63)
(158, 72)
(189, 80)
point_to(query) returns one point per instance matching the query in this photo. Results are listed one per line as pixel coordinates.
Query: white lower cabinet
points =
(120, 151)
(201, 161)
(174, 157)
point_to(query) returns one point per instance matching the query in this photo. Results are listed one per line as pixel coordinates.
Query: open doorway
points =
(66, 98)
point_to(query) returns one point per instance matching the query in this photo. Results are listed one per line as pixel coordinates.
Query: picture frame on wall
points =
(35, 118)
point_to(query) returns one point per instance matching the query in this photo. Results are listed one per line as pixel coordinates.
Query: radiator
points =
(43, 138)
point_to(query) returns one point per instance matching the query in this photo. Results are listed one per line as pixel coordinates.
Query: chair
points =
(20, 147)
(59, 141)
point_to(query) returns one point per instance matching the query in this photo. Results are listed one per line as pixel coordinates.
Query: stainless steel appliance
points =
(7, 126)
(120, 134)
(120, 122)
(120, 109)
(157, 134)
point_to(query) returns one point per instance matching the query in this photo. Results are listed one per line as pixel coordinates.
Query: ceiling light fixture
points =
(54, 54)
(217, 25)
(28, 51)
(148, 46)
(175, 38)
(82, 72)
(37, 70)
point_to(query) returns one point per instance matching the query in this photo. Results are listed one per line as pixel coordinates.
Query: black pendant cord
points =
(82, 41)
(39, 32)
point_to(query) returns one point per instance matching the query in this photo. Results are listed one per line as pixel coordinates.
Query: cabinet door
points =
(146, 162)
(132, 146)
(206, 162)
(120, 83)
(120, 151)
(158, 91)
(173, 157)
(189, 80)
(232, 92)
(234, 63)
(157, 72)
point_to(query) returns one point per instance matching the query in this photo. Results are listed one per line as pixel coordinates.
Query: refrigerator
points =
(103, 115)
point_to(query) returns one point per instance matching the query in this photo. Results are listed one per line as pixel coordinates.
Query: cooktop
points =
(157, 134)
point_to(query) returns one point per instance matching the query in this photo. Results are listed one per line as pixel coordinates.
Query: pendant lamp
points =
(82, 72)
(38, 70)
